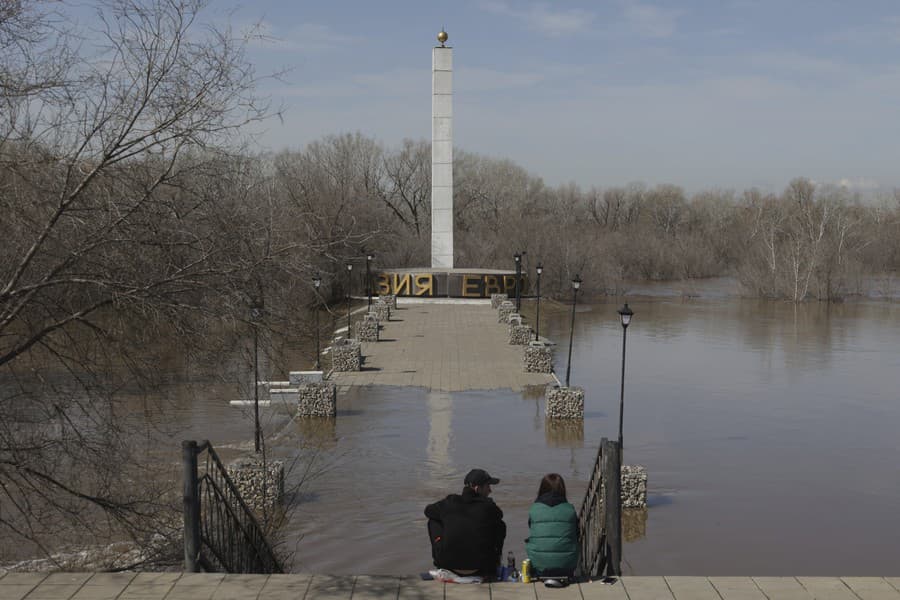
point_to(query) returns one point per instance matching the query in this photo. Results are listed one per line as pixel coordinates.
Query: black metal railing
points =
(600, 522)
(221, 534)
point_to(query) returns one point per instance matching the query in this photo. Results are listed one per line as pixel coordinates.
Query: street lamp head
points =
(576, 283)
(517, 257)
(317, 280)
(625, 314)
(370, 256)
(539, 268)
(349, 267)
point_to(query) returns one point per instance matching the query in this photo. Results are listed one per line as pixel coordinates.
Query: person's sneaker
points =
(554, 583)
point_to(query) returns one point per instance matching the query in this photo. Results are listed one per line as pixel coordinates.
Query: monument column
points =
(442, 155)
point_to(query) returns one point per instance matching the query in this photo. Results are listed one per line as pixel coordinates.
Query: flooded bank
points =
(769, 432)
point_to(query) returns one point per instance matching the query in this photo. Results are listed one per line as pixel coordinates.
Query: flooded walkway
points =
(216, 586)
(443, 347)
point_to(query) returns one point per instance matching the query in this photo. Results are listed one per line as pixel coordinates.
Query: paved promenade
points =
(443, 347)
(195, 586)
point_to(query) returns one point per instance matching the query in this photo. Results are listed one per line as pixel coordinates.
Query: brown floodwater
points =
(769, 432)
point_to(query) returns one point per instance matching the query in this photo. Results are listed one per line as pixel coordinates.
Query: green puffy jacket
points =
(553, 534)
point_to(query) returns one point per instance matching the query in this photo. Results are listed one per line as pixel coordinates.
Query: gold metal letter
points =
(471, 287)
(491, 285)
(424, 285)
(400, 284)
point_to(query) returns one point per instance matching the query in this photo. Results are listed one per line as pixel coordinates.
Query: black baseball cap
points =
(480, 477)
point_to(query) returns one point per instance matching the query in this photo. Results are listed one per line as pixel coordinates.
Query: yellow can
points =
(526, 571)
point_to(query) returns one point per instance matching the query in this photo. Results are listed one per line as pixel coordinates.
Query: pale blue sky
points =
(730, 93)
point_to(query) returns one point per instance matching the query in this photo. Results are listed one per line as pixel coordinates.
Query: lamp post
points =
(349, 285)
(369, 257)
(537, 333)
(317, 282)
(518, 258)
(255, 315)
(576, 284)
(625, 315)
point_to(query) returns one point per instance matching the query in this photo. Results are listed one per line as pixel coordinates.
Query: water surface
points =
(769, 431)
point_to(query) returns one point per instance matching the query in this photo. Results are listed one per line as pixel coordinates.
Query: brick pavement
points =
(444, 347)
(217, 586)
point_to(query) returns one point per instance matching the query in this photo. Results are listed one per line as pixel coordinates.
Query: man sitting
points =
(467, 530)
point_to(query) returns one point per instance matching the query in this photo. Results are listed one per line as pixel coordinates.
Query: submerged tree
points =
(106, 238)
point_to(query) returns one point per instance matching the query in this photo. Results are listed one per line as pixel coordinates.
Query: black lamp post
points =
(537, 334)
(576, 284)
(625, 315)
(349, 285)
(317, 282)
(369, 257)
(518, 258)
(255, 315)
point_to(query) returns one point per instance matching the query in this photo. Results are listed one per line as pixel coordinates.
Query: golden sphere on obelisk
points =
(442, 36)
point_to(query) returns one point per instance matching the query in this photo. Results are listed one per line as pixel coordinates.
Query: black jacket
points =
(467, 532)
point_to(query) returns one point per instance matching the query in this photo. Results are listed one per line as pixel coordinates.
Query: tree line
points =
(134, 215)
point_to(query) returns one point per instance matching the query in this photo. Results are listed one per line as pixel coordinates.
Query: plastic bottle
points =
(511, 565)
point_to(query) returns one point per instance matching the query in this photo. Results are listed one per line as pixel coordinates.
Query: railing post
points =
(191, 507)
(612, 499)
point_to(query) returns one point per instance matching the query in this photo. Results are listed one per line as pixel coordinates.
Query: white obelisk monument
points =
(442, 155)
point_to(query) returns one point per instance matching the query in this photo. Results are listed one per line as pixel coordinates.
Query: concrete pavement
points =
(443, 347)
(217, 586)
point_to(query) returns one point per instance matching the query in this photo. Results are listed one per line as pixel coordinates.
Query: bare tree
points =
(99, 146)
(407, 184)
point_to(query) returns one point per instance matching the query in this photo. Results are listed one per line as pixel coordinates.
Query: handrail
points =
(220, 530)
(599, 519)
(591, 533)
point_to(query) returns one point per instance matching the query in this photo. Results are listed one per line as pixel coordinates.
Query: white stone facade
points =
(442, 158)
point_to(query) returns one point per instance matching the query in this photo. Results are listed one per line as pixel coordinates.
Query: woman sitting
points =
(552, 543)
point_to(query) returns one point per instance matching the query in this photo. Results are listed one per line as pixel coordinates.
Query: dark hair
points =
(552, 482)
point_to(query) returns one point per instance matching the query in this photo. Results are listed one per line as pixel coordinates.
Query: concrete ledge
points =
(305, 586)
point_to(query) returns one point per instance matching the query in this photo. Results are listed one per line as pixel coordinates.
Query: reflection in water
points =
(440, 418)
(534, 392)
(634, 524)
(564, 433)
(715, 389)
(319, 432)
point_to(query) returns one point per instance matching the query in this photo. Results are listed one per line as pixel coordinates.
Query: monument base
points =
(447, 283)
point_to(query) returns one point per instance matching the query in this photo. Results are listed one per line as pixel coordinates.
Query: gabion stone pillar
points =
(538, 357)
(506, 308)
(261, 485)
(497, 299)
(346, 355)
(520, 334)
(367, 329)
(565, 403)
(390, 300)
(317, 400)
(634, 486)
(634, 514)
(381, 310)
